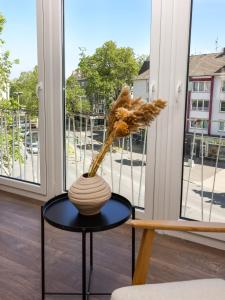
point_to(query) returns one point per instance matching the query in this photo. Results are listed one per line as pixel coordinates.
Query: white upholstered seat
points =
(201, 289)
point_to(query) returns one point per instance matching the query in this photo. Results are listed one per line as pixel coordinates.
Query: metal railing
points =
(204, 174)
(124, 165)
(19, 146)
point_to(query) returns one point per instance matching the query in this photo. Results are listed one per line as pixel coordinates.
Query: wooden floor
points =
(20, 277)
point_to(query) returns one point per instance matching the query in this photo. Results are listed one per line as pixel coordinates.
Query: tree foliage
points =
(5, 63)
(75, 97)
(108, 69)
(26, 85)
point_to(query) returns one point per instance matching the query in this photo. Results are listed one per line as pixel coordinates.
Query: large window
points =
(203, 161)
(103, 51)
(19, 95)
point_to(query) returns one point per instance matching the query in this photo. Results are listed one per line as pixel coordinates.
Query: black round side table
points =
(61, 213)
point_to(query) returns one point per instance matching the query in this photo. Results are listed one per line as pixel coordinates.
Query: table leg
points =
(133, 243)
(91, 250)
(42, 254)
(91, 265)
(84, 265)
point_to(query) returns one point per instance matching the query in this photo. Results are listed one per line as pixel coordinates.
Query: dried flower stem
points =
(99, 158)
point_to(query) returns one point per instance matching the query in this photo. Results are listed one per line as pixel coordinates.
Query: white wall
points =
(194, 114)
(200, 95)
(141, 89)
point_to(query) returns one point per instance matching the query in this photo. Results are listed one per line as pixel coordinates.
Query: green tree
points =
(26, 85)
(141, 59)
(75, 97)
(5, 63)
(108, 69)
(10, 138)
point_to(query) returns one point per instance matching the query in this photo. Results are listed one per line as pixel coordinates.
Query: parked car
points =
(33, 148)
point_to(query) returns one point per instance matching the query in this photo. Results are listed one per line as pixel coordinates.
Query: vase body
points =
(89, 194)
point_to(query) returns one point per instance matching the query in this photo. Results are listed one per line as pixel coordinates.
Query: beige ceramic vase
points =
(89, 194)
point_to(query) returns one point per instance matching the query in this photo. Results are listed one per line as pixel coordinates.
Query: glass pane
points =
(223, 86)
(19, 142)
(203, 195)
(104, 50)
(207, 86)
(195, 86)
(206, 105)
(194, 104)
(201, 86)
(221, 126)
(200, 104)
(222, 107)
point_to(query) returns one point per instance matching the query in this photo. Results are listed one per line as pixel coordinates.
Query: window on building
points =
(222, 106)
(195, 86)
(223, 86)
(201, 86)
(206, 105)
(207, 86)
(194, 105)
(222, 126)
(204, 124)
(199, 124)
(200, 105)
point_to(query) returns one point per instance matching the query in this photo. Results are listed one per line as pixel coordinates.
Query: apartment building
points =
(206, 94)
(205, 111)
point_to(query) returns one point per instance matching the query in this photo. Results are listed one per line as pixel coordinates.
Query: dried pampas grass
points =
(127, 116)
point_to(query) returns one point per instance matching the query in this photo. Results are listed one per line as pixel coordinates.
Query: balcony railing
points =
(19, 146)
(124, 165)
(203, 177)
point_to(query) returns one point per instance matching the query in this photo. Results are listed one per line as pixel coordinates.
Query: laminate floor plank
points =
(20, 260)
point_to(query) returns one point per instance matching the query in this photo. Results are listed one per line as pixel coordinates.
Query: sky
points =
(89, 23)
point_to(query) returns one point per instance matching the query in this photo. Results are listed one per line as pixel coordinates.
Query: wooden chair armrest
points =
(178, 225)
(149, 227)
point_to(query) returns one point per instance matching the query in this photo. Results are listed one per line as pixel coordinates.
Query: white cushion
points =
(201, 289)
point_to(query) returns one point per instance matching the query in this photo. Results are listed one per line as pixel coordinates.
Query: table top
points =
(60, 212)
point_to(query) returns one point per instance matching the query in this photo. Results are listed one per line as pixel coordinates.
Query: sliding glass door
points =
(105, 49)
(203, 195)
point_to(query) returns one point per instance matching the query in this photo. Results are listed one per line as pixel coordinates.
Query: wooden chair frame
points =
(149, 227)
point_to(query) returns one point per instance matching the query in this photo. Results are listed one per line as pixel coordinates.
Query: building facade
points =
(205, 111)
(206, 94)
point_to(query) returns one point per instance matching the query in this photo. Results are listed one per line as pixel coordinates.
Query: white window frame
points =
(197, 107)
(22, 187)
(221, 130)
(49, 41)
(205, 88)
